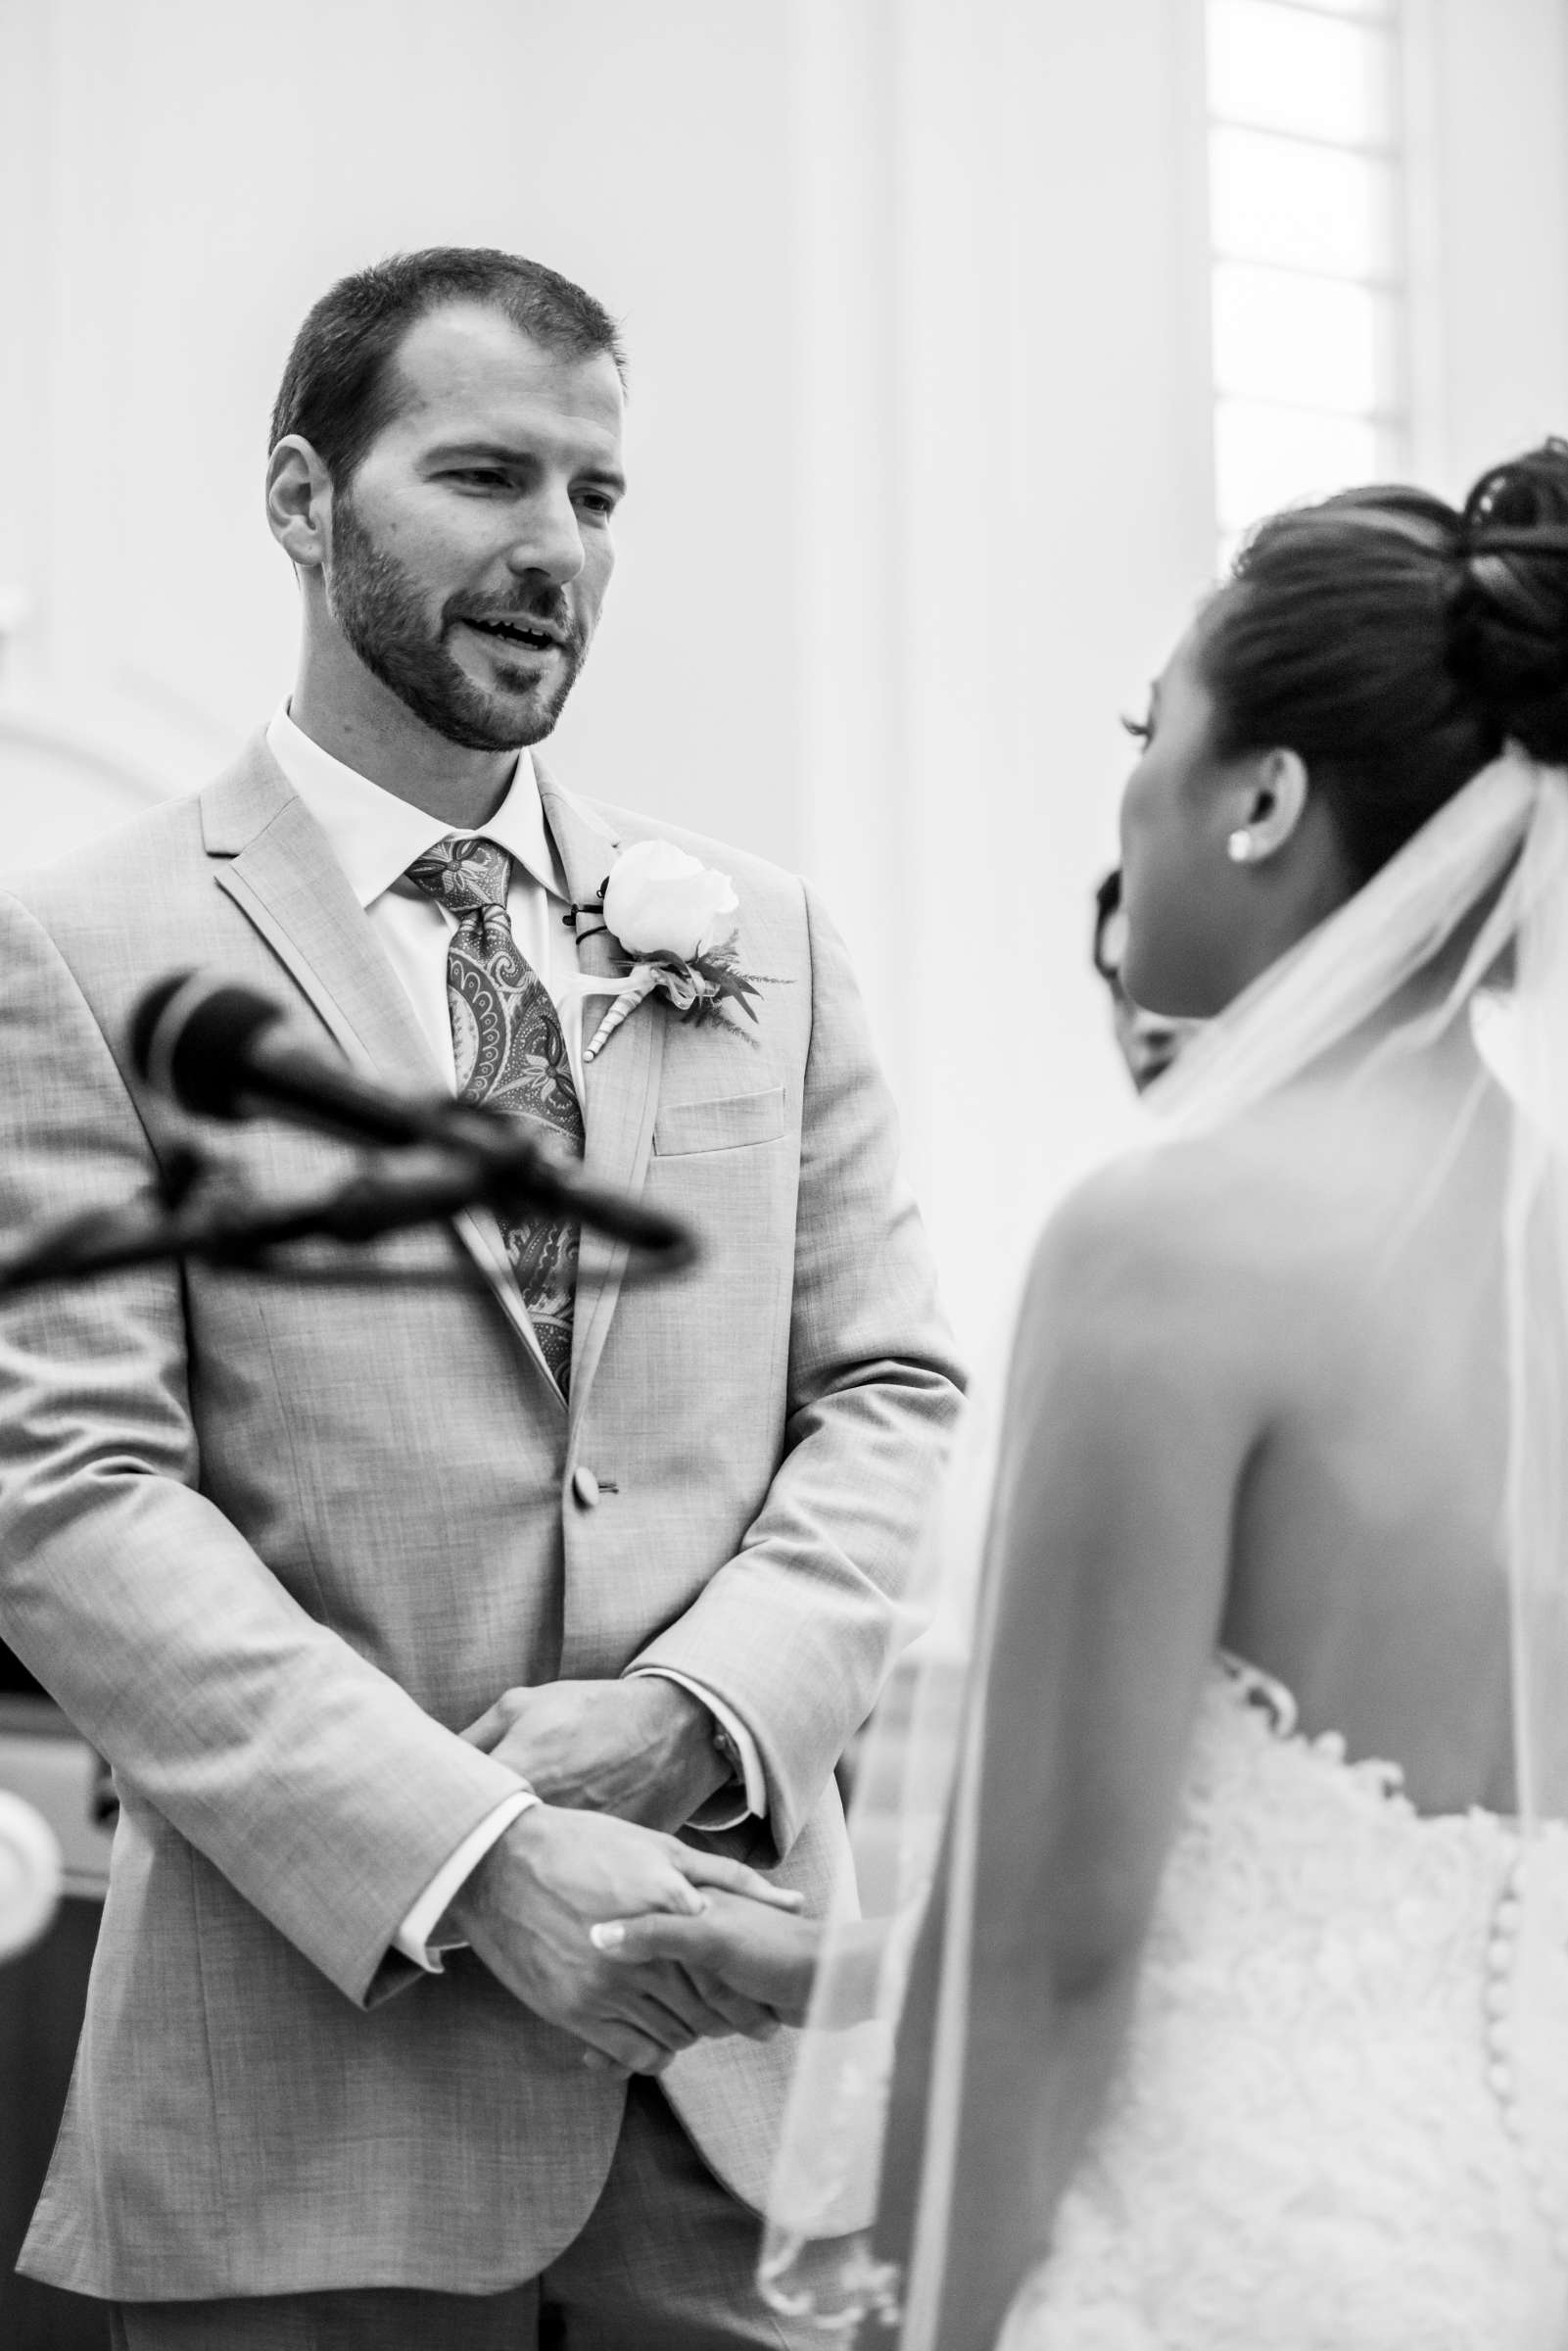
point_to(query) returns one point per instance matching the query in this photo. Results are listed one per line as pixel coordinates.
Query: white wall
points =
(1006, 518)
(1490, 125)
(915, 295)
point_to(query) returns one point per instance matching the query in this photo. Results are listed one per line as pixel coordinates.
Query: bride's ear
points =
(1275, 802)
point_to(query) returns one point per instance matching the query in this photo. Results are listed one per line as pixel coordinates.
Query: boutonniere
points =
(670, 915)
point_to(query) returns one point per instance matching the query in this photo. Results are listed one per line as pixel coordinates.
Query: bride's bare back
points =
(1257, 1401)
(1344, 1265)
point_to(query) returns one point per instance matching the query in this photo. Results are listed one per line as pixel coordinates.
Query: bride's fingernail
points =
(607, 1938)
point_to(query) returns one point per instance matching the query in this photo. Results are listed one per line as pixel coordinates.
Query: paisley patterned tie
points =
(511, 1054)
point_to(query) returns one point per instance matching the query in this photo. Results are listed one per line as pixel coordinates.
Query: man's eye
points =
(483, 477)
(597, 502)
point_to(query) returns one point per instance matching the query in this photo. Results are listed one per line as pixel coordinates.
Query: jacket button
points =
(585, 1485)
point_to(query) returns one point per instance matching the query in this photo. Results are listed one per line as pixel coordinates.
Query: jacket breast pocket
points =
(723, 1126)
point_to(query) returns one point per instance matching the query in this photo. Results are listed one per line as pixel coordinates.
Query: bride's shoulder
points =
(1206, 1233)
(1172, 1207)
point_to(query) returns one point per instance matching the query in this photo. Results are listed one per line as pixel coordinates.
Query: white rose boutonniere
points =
(659, 901)
(672, 915)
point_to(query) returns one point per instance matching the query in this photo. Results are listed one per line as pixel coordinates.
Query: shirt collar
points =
(375, 837)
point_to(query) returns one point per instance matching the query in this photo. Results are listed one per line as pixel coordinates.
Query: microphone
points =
(210, 1045)
(208, 1042)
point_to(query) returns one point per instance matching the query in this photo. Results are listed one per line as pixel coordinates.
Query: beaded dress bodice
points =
(1341, 2119)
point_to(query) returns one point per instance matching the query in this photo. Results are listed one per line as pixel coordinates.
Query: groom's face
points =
(471, 548)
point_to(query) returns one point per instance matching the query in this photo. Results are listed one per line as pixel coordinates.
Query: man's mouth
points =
(532, 636)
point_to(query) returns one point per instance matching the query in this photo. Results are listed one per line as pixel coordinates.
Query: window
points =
(1305, 187)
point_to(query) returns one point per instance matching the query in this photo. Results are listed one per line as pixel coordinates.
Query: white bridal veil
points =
(1480, 896)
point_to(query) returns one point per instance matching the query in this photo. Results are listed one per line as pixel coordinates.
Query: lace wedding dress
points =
(1340, 2121)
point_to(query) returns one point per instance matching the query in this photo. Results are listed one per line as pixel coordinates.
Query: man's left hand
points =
(641, 1748)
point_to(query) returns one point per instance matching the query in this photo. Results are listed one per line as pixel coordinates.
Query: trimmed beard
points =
(381, 612)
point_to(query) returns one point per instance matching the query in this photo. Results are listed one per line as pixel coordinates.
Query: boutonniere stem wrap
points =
(671, 916)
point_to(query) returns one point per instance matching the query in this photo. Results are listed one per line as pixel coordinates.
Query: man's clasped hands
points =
(591, 1911)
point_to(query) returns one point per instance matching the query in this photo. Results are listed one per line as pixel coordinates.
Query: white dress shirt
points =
(375, 837)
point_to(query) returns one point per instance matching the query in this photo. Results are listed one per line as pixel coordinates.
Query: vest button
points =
(585, 1485)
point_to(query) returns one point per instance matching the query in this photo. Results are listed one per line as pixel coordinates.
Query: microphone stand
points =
(418, 1183)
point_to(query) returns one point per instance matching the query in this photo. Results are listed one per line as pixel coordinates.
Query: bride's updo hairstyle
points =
(1395, 644)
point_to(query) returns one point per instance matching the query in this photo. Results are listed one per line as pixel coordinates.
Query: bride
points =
(1218, 1994)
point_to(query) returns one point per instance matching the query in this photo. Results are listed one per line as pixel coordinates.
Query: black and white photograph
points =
(783, 1176)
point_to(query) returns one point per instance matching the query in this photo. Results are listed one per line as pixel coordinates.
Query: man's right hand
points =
(551, 1876)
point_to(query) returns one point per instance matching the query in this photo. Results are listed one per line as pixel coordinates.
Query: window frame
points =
(1397, 416)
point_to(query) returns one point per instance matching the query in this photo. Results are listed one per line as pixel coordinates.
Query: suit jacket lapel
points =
(620, 1086)
(272, 859)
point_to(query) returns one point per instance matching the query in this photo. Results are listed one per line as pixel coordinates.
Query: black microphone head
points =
(189, 1036)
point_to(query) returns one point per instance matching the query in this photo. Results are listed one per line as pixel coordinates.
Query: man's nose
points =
(550, 543)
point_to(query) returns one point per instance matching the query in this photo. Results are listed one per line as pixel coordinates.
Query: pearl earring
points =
(1241, 849)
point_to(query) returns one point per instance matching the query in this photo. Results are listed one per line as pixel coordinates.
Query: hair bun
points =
(1509, 622)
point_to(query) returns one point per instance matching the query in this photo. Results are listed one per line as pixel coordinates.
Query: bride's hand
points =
(762, 1954)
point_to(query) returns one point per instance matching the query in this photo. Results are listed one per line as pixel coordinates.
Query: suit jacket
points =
(272, 1540)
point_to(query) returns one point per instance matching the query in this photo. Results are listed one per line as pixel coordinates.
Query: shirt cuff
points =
(720, 1812)
(413, 1937)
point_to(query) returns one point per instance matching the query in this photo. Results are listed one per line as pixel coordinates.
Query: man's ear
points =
(298, 501)
(1275, 804)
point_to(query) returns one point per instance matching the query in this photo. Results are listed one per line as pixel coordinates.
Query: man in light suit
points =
(352, 2071)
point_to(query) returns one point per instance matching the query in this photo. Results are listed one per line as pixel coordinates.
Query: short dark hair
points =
(339, 389)
(1396, 643)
